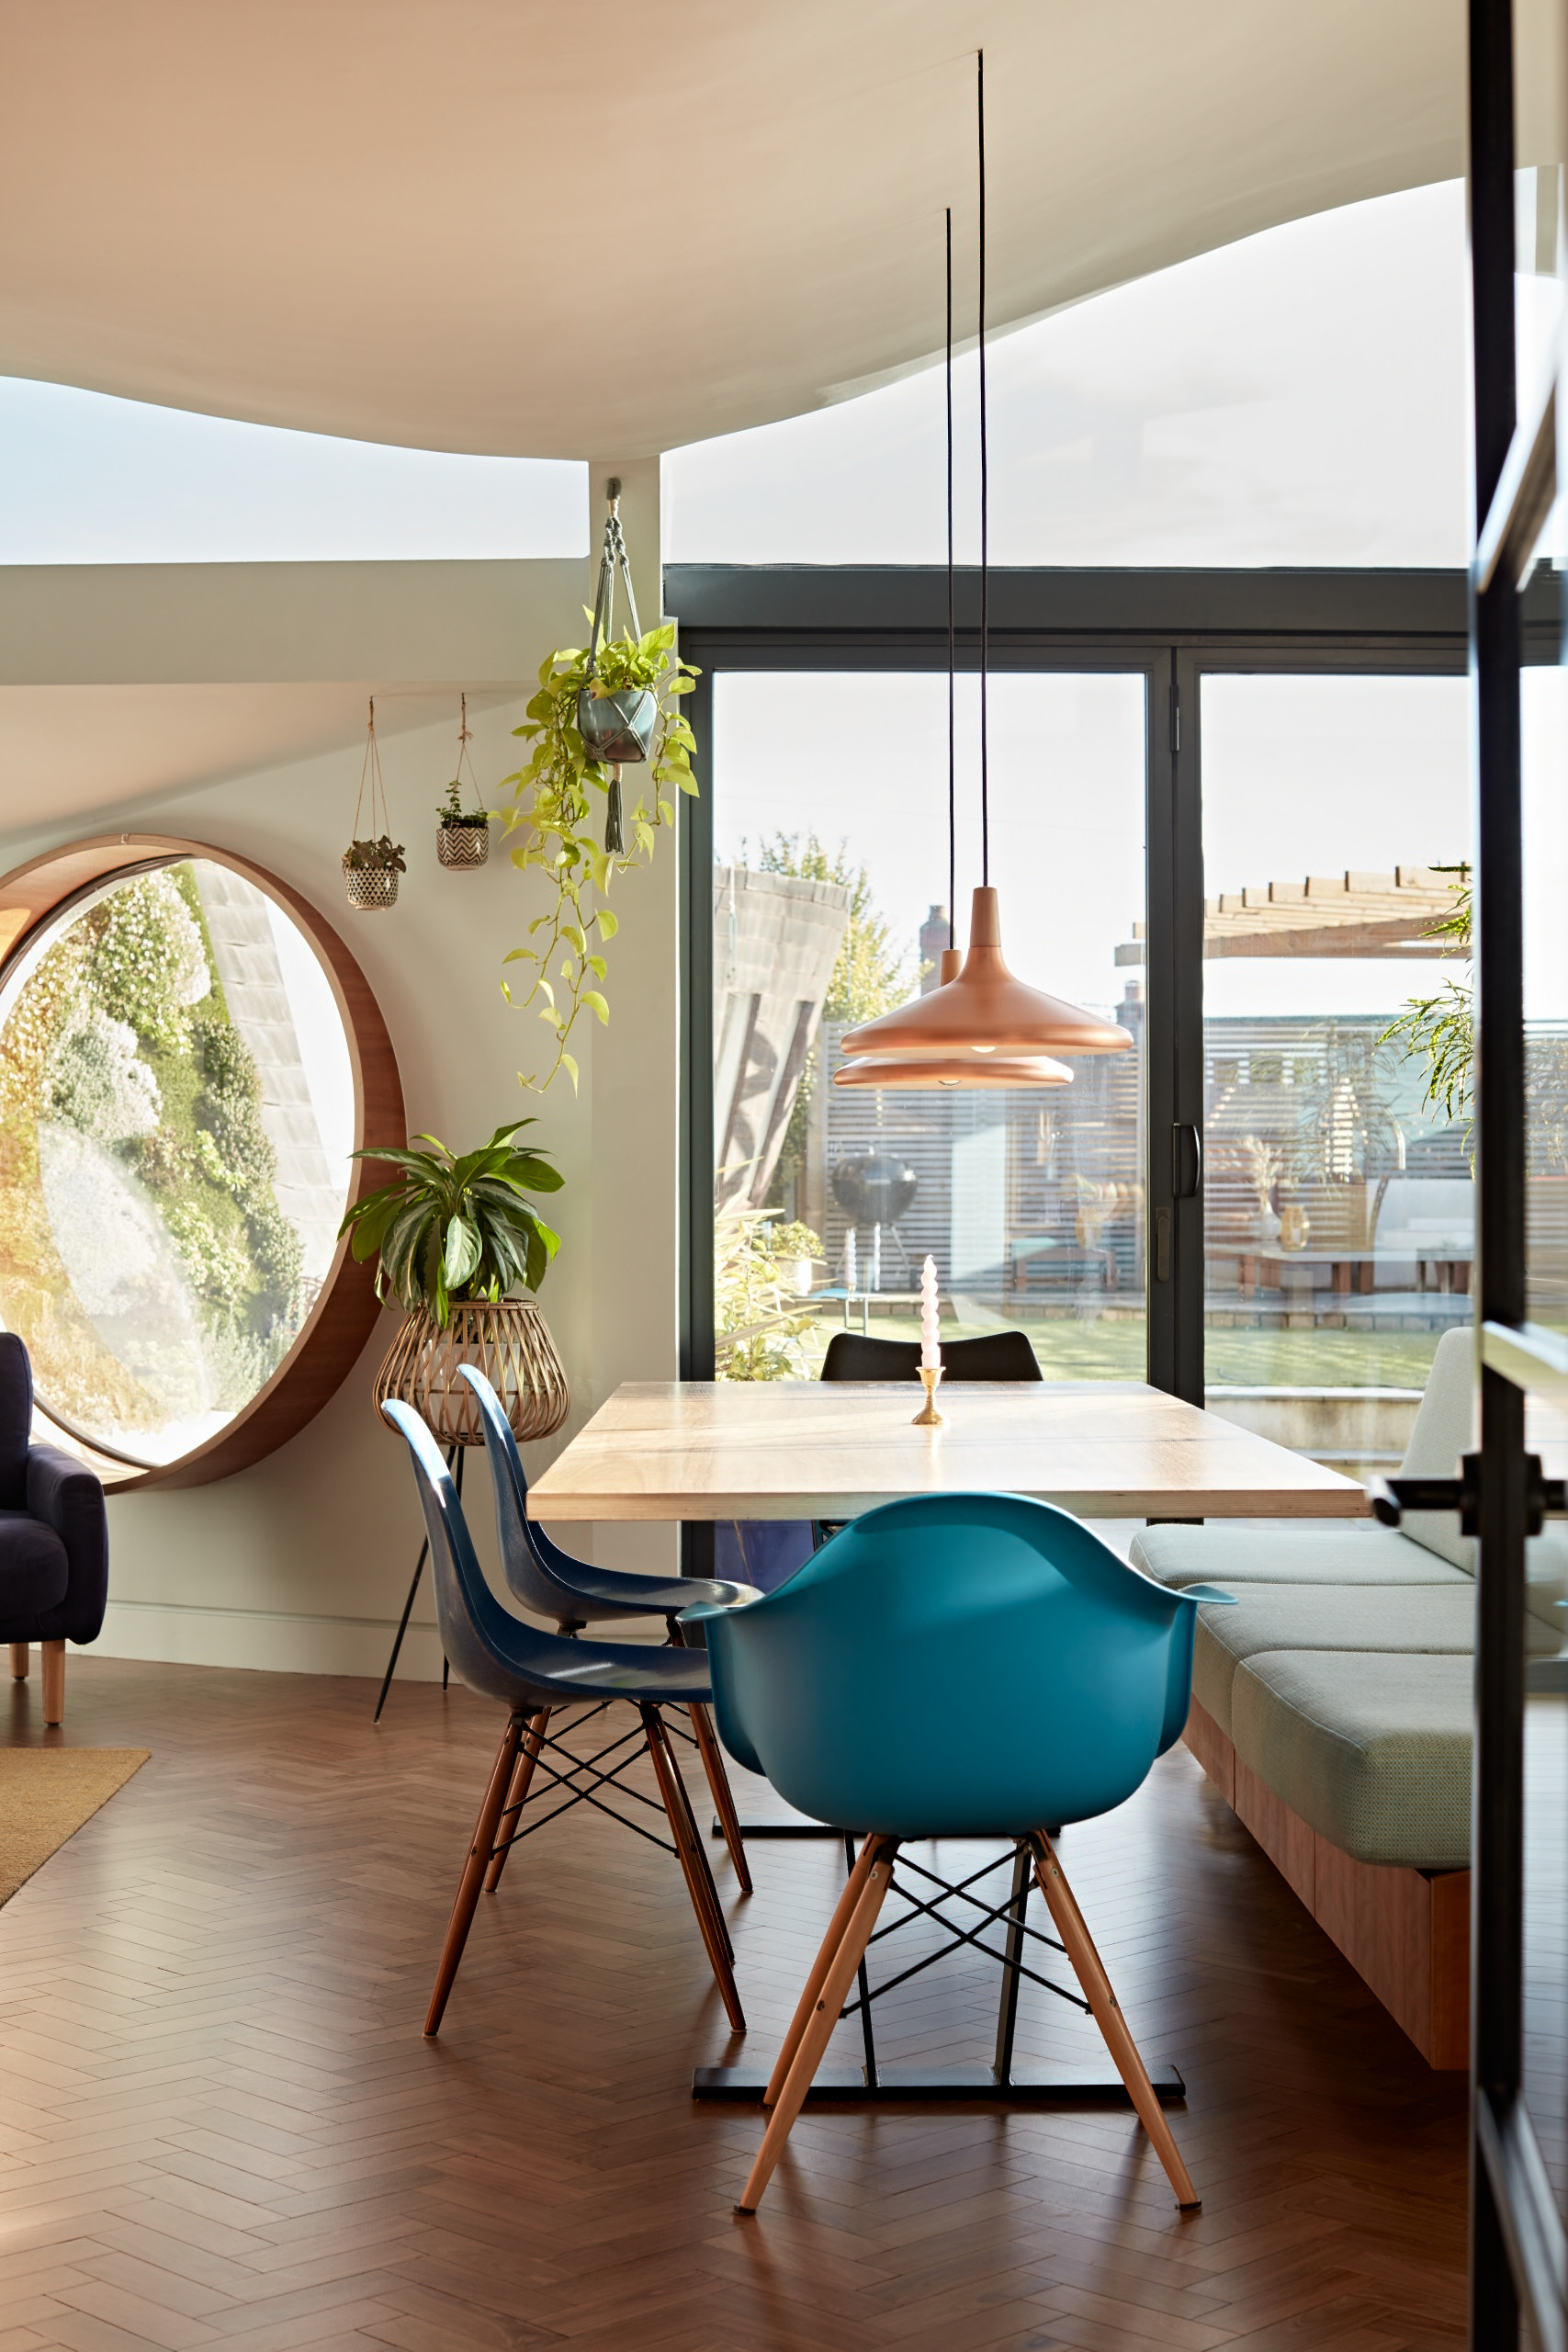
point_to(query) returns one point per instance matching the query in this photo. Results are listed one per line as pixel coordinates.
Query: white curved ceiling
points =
(546, 229)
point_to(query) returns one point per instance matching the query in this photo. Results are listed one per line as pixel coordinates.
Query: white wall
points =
(302, 1562)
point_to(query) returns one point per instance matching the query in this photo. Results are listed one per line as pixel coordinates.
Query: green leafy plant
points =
(383, 855)
(446, 1229)
(1441, 1029)
(451, 810)
(556, 813)
(793, 1240)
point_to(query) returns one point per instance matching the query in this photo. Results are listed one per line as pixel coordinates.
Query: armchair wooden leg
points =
(698, 1849)
(20, 1653)
(532, 1745)
(824, 2017)
(854, 1888)
(694, 1864)
(53, 1681)
(474, 1869)
(1097, 1989)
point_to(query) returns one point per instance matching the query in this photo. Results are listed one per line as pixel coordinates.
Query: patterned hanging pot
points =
(462, 831)
(371, 865)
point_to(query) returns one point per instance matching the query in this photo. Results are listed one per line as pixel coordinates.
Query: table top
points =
(1102, 1449)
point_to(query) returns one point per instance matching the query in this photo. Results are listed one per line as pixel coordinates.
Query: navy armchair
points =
(54, 1543)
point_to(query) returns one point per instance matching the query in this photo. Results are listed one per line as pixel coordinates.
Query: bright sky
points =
(1297, 398)
(85, 479)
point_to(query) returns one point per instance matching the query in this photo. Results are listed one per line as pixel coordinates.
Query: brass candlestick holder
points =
(927, 1418)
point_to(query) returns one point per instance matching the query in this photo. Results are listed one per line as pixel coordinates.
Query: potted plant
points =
(370, 871)
(553, 810)
(796, 1252)
(462, 835)
(452, 1237)
(371, 866)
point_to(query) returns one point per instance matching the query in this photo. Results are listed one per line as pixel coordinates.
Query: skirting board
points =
(273, 1641)
(1405, 1932)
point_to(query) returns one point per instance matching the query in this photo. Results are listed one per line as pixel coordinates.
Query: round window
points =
(179, 1099)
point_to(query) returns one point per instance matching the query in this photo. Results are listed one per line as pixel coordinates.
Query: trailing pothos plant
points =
(559, 803)
(446, 1229)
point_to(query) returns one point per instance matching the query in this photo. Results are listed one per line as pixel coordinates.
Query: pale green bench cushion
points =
(1372, 1749)
(1287, 1552)
(1436, 1618)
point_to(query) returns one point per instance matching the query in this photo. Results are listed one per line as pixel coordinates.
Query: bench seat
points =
(1278, 1552)
(1371, 1750)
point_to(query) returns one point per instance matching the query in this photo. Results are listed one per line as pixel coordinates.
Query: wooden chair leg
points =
(693, 1863)
(723, 1795)
(53, 1681)
(836, 1927)
(472, 1880)
(1087, 1966)
(20, 1652)
(712, 1755)
(696, 1845)
(824, 2017)
(532, 1745)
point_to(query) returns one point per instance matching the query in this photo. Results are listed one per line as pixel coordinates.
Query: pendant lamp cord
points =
(952, 715)
(984, 489)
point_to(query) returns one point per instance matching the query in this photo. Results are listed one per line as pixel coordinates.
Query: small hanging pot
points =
(371, 866)
(462, 832)
(462, 845)
(618, 728)
(370, 871)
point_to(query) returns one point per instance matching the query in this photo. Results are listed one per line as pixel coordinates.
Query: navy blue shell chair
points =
(575, 1593)
(54, 1542)
(533, 1673)
(1077, 1671)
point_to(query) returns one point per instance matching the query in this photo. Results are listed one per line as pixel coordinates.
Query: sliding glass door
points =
(1339, 1200)
(830, 903)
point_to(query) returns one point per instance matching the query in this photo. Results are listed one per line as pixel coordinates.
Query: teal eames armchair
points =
(1074, 1672)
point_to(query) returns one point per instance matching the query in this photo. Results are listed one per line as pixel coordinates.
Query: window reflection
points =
(176, 1109)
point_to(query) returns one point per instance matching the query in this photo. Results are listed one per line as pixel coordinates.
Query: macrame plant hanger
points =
(373, 861)
(613, 559)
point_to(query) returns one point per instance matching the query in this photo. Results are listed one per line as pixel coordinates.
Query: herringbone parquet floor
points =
(219, 2124)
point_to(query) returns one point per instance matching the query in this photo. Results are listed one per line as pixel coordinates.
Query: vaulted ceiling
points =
(548, 228)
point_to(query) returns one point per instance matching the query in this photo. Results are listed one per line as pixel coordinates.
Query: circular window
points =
(182, 1084)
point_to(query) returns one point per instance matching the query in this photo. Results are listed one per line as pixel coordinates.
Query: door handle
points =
(1391, 1497)
(1186, 1162)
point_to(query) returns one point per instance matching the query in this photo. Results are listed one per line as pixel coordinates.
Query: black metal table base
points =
(742, 2086)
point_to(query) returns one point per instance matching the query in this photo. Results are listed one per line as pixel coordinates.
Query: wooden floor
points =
(219, 2123)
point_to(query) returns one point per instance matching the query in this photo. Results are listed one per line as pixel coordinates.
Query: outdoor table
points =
(713, 1450)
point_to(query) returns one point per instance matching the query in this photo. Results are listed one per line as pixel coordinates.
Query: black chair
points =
(54, 1542)
(995, 1355)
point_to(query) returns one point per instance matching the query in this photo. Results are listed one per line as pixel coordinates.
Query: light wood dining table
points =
(802, 1448)
(805, 1450)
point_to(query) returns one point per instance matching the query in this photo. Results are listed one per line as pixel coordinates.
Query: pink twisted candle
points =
(930, 1350)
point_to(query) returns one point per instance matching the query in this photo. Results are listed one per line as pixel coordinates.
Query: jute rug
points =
(46, 1793)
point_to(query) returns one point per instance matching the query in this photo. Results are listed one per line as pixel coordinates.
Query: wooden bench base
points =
(1405, 1932)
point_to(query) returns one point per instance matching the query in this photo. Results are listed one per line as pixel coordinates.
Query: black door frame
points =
(1174, 627)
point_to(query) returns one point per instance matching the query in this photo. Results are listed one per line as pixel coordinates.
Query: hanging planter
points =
(371, 866)
(613, 703)
(462, 834)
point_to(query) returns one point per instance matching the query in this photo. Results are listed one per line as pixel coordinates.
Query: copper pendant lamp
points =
(909, 1072)
(982, 1017)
